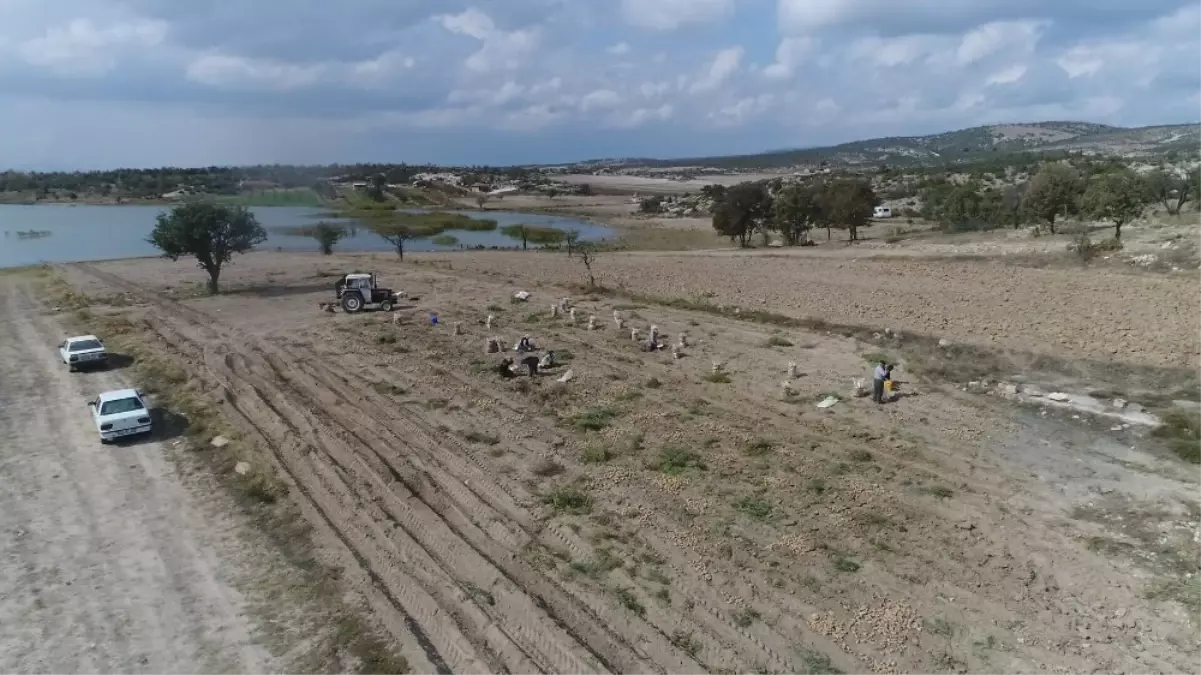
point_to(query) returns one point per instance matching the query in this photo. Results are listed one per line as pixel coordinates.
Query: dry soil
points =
(648, 516)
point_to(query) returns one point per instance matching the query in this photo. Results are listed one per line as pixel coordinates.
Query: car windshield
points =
(84, 345)
(121, 405)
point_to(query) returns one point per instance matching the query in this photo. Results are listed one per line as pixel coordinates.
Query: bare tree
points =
(587, 255)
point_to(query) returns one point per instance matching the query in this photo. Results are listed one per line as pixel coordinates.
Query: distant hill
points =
(963, 146)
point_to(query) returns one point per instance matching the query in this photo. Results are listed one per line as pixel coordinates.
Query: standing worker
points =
(878, 377)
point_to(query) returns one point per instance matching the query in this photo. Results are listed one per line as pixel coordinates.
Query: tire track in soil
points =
(234, 374)
(712, 621)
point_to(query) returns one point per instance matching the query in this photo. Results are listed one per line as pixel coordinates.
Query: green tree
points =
(848, 202)
(327, 235)
(1171, 189)
(531, 234)
(1118, 197)
(398, 231)
(744, 209)
(796, 212)
(212, 233)
(1053, 191)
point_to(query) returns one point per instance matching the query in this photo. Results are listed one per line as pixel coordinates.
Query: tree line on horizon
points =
(1107, 191)
(224, 181)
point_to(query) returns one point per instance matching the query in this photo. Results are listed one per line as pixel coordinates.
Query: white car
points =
(83, 351)
(120, 413)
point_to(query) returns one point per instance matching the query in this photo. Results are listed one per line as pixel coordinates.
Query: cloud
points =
(725, 63)
(665, 15)
(546, 80)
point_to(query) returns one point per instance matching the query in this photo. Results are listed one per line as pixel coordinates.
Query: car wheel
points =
(104, 441)
(385, 306)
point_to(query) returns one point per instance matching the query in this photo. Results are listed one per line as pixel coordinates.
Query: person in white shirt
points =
(878, 377)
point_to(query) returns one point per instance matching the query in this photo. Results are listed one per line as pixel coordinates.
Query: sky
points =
(87, 84)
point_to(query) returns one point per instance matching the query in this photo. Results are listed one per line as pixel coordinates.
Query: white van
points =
(882, 212)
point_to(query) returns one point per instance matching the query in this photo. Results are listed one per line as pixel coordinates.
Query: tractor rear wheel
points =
(351, 303)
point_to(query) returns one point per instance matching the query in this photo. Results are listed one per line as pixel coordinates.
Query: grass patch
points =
(389, 389)
(685, 642)
(746, 617)
(594, 419)
(482, 439)
(718, 378)
(816, 663)
(436, 404)
(939, 626)
(632, 395)
(674, 460)
(596, 453)
(860, 456)
(1186, 591)
(628, 600)
(939, 491)
(778, 341)
(873, 519)
(754, 506)
(757, 448)
(653, 383)
(546, 468)
(598, 565)
(877, 357)
(816, 486)
(495, 309)
(844, 564)
(1182, 432)
(569, 500)
(374, 655)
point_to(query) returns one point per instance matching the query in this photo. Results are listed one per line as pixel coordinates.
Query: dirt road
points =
(108, 562)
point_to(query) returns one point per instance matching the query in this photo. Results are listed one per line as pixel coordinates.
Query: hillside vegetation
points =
(964, 146)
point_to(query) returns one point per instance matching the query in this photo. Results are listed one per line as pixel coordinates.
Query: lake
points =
(82, 232)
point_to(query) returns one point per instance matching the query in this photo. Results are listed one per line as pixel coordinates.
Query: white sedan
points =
(120, 413)
(82, 351)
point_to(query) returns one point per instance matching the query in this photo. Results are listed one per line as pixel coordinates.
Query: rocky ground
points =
(649, 515)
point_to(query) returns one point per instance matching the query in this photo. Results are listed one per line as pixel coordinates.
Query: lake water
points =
(84, 232)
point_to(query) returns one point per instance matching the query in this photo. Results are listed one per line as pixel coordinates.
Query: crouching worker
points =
(878, 377)
(548, 360)
(524, 345)
(531, 364)
(505, 368)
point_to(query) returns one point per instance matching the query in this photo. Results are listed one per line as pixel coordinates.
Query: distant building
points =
(882, 212)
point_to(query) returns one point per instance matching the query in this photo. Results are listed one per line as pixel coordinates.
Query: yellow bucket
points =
(888, 386)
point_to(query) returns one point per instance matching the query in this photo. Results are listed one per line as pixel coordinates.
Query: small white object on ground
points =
(858, 387)
(718, 366)
(944, 343)
(241, 468)
(683, 342)
(489, 321)
(675, 353)
(792, 370)
(1058, 396)
(828, 401)
(572, 313)
(592, 323)
(566, 377)
(554, 311)
(621, 324)
(1119, 403)
(522, 295)
(634, 334)
(219, 442)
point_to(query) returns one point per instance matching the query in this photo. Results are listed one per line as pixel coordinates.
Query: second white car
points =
(83, 351)
(120, 413)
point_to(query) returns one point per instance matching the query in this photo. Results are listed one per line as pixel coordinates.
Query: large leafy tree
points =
(1118, 197)
(212, 233)
(796, 212)
(744, 209)
(848, 203)
(1052, 191)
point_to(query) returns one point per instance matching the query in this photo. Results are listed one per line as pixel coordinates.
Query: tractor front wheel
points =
(351, 303)
(385, 306)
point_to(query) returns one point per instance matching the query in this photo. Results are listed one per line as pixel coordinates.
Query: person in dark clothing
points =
(531, 363)
(881, 373)
(505, 368)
